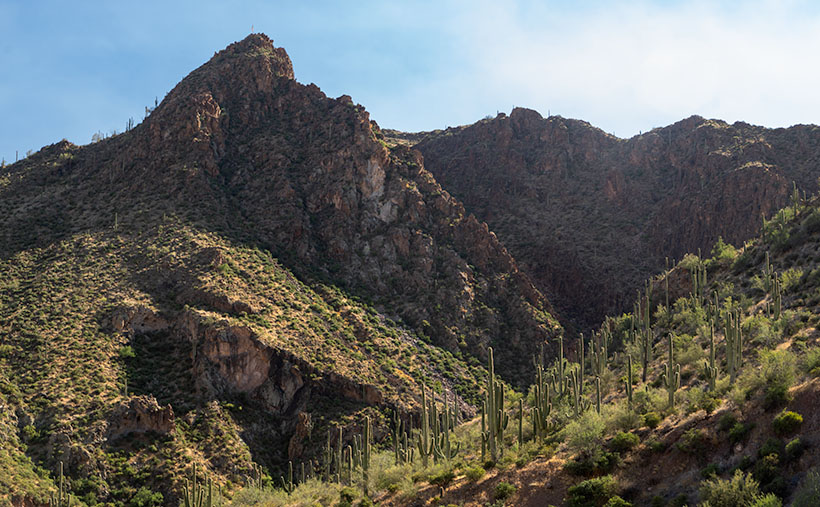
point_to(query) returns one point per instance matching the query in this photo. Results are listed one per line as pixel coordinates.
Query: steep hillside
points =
(588, 216)
(248, 267)
(709, 399)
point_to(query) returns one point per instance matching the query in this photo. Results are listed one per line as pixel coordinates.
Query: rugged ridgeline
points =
(250, 262)
(588, 216)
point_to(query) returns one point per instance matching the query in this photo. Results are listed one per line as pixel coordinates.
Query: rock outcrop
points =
(589, 216)
(140, 414)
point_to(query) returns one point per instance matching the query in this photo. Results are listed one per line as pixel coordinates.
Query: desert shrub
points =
(618, 417)
(710, 403)
(584, 436)
(794, 449)
(743, 262)
(503, 490)
(778, 372)
(722, 251)
(787, 422)
(770, 500)
(771, 446)
(767, 473)
(739, 432)
(726, 421)
(709, 471)
(443, 478)
(587, 466)
(146, 498)
(592, 492)
(693, 441)
(790, 278)
(808, 492)
(617, 501)
(651, 400)
(623, 442)
(474, 473)
(811, 362)
(652, 419)
(759, 331)
(687, 318)
(740, 490)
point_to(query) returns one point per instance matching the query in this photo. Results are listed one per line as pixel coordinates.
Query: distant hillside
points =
(588, 216)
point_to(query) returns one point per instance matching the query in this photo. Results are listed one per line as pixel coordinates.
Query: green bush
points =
(693, 441)
(443, 478)
(503, 490)
(787, 422)
(605, 462)
(584, 436)
(709, 471)
(808, 492)
(474, 473)
(770, 500)
(592, 492)
(146, 498)
(127, 352)
(726, 421)
(771, 446)
(723, 251)
(652, 419)
(767, 473)
(794, 449)
(623, 442)
(739, 432)
(811, 363)
(741, 490)
(617, 501)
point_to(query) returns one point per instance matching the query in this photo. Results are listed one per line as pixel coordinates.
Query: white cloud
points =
(632, 67)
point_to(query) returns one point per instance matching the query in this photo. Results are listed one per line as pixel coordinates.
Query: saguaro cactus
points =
(366, 450)
(628, 381)
(543, 407)
(196, 495)
(497, 419)
(63, 498)
(710, 367)
(579, 404)
(671, 374)
(424, 440)
(288, 485)
(733, 334)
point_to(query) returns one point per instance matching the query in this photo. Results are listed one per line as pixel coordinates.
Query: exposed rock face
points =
(229, 359)
(140, 414)
(309, 178)
(590, 216)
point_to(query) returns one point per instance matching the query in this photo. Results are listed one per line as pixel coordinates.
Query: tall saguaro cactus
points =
(733, 334)
(196, 495)
(63, 498)
(425, 440)
(671, 374)
(710, 367)
(367, 436)
(497, 419)
(543, 407)
(628, 381)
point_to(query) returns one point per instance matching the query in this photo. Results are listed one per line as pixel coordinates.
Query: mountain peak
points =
(254, 46)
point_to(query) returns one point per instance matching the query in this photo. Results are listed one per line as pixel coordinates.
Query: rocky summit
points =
(257, 296)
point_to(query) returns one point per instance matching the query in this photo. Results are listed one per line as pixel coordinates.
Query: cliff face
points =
(589, 216)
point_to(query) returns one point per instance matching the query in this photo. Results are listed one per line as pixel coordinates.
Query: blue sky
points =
(71, 69)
